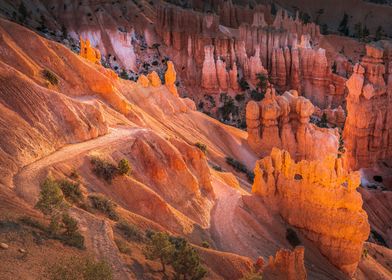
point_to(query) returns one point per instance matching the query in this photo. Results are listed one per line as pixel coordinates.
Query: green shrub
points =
(205, 244)
(239, 167)
(217, 168)
(71, 191)
(33, 223)
(50, 76)
(104, 169)
(292, 237)
(252, 275)
(75, 268)
(104, 205)
(123, 246)
(240, 97)
(201, 146)
(51, 198)
(130, 232)
(186, 262)
(160, 247)
(256, 96)
(123, 167)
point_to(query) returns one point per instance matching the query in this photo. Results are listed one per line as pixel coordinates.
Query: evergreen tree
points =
(343, 28)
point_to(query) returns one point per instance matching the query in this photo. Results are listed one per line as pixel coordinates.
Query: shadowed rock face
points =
(320, 198)
(283, 122)
(368, 128)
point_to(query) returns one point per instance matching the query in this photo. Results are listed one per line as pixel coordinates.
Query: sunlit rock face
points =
(283, 122)
(286, 265)
(320, 198)
(88, 52)
(368, 129)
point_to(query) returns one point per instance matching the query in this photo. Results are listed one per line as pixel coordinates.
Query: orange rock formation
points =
(170, 78)
(286, 264)
(283, 122)
(368, 128)
(89, 52)
(320, 198)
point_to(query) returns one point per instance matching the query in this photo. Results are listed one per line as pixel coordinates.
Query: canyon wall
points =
(368, 129)
(282, 48)
(283, 122)
(320, 198)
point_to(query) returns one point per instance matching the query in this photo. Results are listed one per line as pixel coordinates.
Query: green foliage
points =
(240, 167)
(217, 168)
(23, 12)
(243, 84)
(305, 17)
(205, 244)
(252, 275)
(104, 169)
(104, 205)
(160, 248)
(324, 29)
(71, 235)
(380, 33)
(343, 26)
(75, 268)
(123, 246)
(202, 147)
(124, 167)
(186, 261)
(228, 108)
(124, 75)
(71, 191)
(51, 198)
(130, 232)
(341, 149)
(292, 237)
(50, 76)
(177, 252)
(361, 32)
(240, 97)
(365, 253)
(256, 95)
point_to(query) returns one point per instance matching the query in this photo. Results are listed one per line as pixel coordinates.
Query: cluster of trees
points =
(361, 31)
(177, 252)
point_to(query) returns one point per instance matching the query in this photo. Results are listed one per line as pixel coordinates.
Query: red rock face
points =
(283, 122)
(320, 198)
(368, 129)
(287, 265)
(283, 49)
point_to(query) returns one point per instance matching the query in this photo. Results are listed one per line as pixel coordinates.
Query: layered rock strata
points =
(283, 122)
(368, 129)
(320, 198)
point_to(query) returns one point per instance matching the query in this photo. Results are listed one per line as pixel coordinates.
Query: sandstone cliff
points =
(320, 198)
(368, 127)
(283, 122)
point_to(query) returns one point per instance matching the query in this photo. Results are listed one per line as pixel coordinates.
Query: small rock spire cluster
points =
(368, 128)
(89, 52)
(283, 122)
(320, 199)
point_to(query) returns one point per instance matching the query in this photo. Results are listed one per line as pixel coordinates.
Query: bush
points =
(130, 232)
(252, 275)
(292, 237)
(186, 262)
(123, 246)
(79, 269)
(202, 147)
(160, 248)
(104, 169)
(256, 96)
(51, 198)
(104, 205)
(71, 191)
(205, 244)
(240, 167)
(123, 167)
(240, 97)
(50, 76)
(243, 84)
